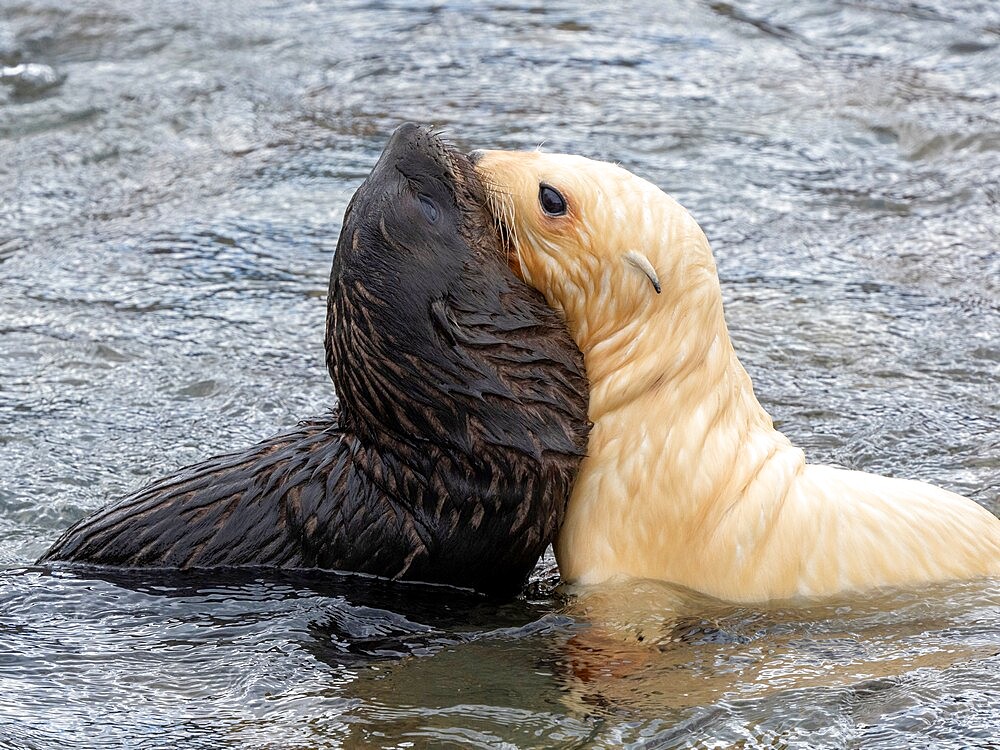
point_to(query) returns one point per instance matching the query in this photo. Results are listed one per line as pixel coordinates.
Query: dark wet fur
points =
(461, 423)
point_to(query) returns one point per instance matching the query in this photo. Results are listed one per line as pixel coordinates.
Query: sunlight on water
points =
(171, 186)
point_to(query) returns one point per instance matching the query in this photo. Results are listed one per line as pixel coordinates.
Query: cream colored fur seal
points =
(686, 479)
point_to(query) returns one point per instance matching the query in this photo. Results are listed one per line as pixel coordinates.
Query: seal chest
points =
(686, 479)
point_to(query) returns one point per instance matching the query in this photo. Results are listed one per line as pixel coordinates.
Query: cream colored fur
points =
(686, 479)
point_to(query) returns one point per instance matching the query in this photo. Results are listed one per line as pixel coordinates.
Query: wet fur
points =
(686, 479)
(461, 422)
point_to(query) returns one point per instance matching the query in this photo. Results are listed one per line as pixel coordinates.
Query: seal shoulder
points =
(260, 506)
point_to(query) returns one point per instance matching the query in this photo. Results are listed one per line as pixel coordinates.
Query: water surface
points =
(172, 178)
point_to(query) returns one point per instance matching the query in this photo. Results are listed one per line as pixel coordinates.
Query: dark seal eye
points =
(552, 200)
(429, 209)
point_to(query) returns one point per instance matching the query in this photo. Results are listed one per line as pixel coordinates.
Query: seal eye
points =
(429, 209)
(552, 200)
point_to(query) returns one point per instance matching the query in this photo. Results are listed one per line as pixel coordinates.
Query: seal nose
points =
(475, 156)
(407, 134)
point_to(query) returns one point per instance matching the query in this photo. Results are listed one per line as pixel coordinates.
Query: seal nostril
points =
(476, 155)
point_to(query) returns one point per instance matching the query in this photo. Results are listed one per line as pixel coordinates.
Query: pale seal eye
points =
(552, 200)
(429, 209)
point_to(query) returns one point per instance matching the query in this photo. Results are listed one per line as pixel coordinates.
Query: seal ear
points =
(640, 261)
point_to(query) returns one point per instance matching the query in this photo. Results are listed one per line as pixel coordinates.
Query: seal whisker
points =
(496, 208)
(494, 187)
(511, 223)
(497, 203)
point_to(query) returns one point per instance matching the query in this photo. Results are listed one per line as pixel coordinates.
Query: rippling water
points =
(172, 177)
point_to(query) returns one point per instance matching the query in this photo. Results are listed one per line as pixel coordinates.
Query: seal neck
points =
(675, 362)
(476, 365)
(668, 371)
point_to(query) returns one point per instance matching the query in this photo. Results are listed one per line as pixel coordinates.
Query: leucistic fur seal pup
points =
(461, 423)
(686, 479)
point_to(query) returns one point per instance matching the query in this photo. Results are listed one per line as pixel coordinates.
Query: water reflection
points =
(674, 666)
(664, 647)
(369, 660)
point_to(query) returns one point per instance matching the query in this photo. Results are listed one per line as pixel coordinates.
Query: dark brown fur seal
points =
(461, 422)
